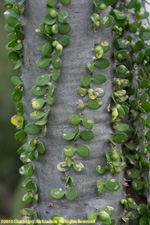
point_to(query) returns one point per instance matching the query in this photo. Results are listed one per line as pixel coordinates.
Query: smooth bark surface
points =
(74, 59)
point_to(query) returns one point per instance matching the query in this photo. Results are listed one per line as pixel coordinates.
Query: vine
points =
(132, 70)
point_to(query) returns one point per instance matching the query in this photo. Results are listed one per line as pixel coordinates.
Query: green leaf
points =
(86, 135)
(63, 40)
(40, 147)
(104, 217)
(75, 119)
(62, 16)
(138, 46)
(90, 66)
(20, 135)
(94, 104)
(49, 20)
(47, 49)
(121, 43)
(57, 193)
(112, 185)
(146, 106)
(145, 36)
(27, 212)
(65, 2)
(64, 28)
(69, 151)
(102, 63)
(56, 62)
(92, 216)
(55, 75)
(107, 20)
(121, 127)
(71, 194)
(101, 169)
(138, 184)
(43, 79)
(88, 122)
(108, 209)
(143, 209)
(69, 181)
(130, 145)
(99, 78)
(120, 138)
(133, 173)
(52, 2)
(26, 183)
(43, 62)
(100, 186)
(68, 136)
(36, 115)
(144, 221)
(26, 170)
(131, 4)
(105, 45)
(85, 80)
(32, 129)
(147, 136)
(148, 122)
(78, 166)
(83, 151)
(38, 90)
(12, 21)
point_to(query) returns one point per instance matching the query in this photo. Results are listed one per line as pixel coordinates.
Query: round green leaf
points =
(75, 119)
(52, 2)
(62, 16)
(69, 151)
(65, 2)
(112, 185)
(121, 127)
(56, 62)
(43, 79)
(36, 115)
(68, 136)
(138, 184)
(101, 169)
(38, 90)
(32, 129)
(133, 173)
(49, 20)
(108, 209)
(63, 40)
(20, 135)
(86, 135)
(99, 78)
(146, 106)
(92, 216)
(107, 20)
(88, 122)
(47, 49)
(55, 75)
(102, 63)
(57, 193)
(144, 221)
(83, 151)
(85, 80)
(43, 62)
(64, 28)
(78, 167)
(120, 138)
(26, 212)
(71, 194)
(94, 104)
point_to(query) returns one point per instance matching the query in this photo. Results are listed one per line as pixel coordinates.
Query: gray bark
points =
(74, 59)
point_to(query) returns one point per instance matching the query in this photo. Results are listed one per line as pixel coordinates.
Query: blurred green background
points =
(10, 187)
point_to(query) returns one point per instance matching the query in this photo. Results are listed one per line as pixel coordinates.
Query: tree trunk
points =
(74, 59)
